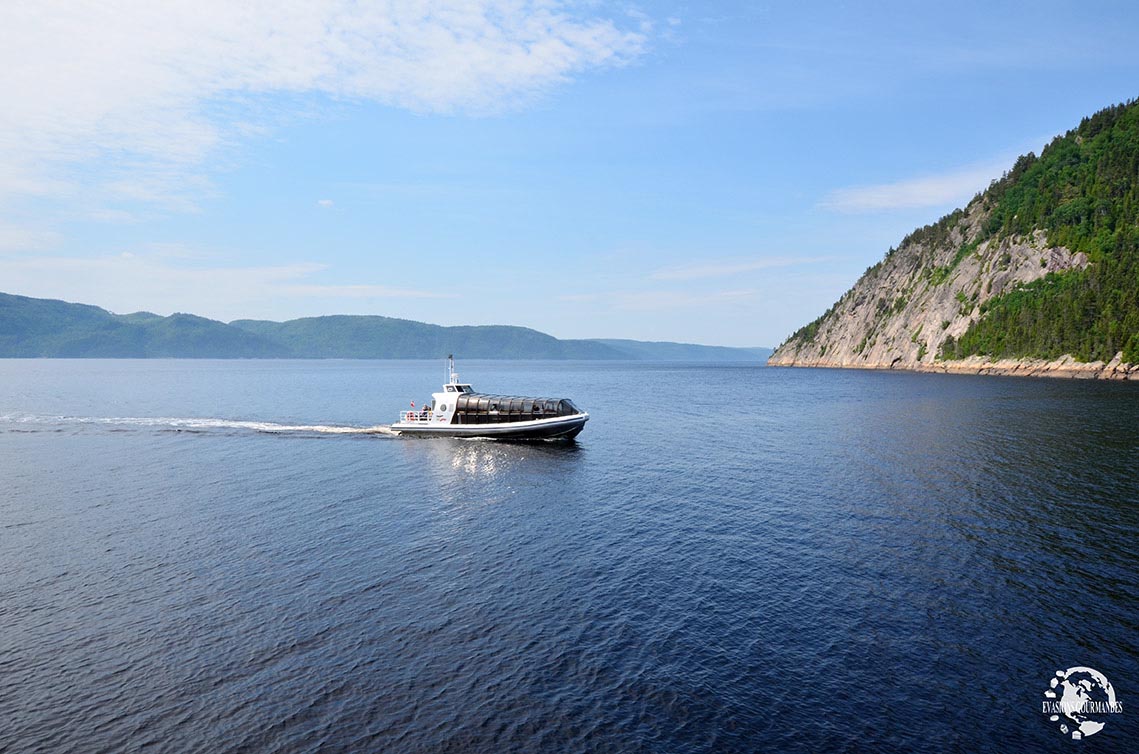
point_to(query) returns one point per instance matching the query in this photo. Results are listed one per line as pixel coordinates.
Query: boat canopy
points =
(476, 408)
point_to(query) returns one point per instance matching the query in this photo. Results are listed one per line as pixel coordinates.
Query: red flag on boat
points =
(413, 404)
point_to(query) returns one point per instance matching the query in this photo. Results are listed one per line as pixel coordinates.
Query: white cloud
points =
(142, 92)
(324, 203)
(953, 187)
(731, 267)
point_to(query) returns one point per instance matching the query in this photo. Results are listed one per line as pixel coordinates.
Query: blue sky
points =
(704, 172)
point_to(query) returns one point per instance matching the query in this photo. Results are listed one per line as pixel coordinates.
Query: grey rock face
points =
(898, 315)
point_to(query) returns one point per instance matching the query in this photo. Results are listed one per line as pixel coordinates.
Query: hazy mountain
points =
(31, 327)
(371, 337)
(662, 351)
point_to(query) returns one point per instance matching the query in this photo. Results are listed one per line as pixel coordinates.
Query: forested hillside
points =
(1083, 191)
(1044, 264)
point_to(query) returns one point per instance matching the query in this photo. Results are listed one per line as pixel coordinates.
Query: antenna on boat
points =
(454, 378)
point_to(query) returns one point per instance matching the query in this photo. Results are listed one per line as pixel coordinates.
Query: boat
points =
(459, 411)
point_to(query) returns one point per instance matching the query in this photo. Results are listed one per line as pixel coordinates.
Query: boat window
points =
(450, 388)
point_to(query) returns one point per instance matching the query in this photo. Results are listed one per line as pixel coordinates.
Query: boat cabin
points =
(476, 408)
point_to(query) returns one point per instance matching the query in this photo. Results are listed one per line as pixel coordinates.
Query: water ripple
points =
(835, 561)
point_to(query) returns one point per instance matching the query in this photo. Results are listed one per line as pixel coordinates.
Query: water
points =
(234, 556)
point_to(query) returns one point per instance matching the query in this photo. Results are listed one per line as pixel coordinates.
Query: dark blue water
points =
(193, 558)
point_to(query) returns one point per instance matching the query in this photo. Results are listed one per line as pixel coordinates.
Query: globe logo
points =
(1080, 699)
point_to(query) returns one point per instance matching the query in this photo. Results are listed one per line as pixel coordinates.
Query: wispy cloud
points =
(16, 238)
(143, 92)
(666, 300)
(657, 300)
(360, 291)
(952, 187)
(324, 203)
(164, 283)
(578, 298)
(729, 268)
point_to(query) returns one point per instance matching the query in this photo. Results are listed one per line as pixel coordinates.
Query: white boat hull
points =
(557, 427)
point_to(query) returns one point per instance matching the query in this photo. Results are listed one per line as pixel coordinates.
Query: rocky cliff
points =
(984, 291)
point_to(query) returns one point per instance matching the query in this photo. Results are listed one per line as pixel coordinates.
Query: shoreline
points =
(1064, 367)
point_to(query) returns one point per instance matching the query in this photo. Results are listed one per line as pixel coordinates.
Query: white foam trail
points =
(196, 424)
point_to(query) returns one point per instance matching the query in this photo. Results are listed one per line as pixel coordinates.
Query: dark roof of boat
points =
(463, 401)
(511, 397)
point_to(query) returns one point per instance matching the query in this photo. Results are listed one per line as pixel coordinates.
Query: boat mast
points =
(451, 376)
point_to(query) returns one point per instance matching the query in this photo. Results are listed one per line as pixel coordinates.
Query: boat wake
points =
(37, 423)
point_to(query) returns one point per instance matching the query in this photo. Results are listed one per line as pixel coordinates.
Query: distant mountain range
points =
(45, 328)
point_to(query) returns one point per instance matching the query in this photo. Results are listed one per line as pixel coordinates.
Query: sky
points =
(706, 172)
